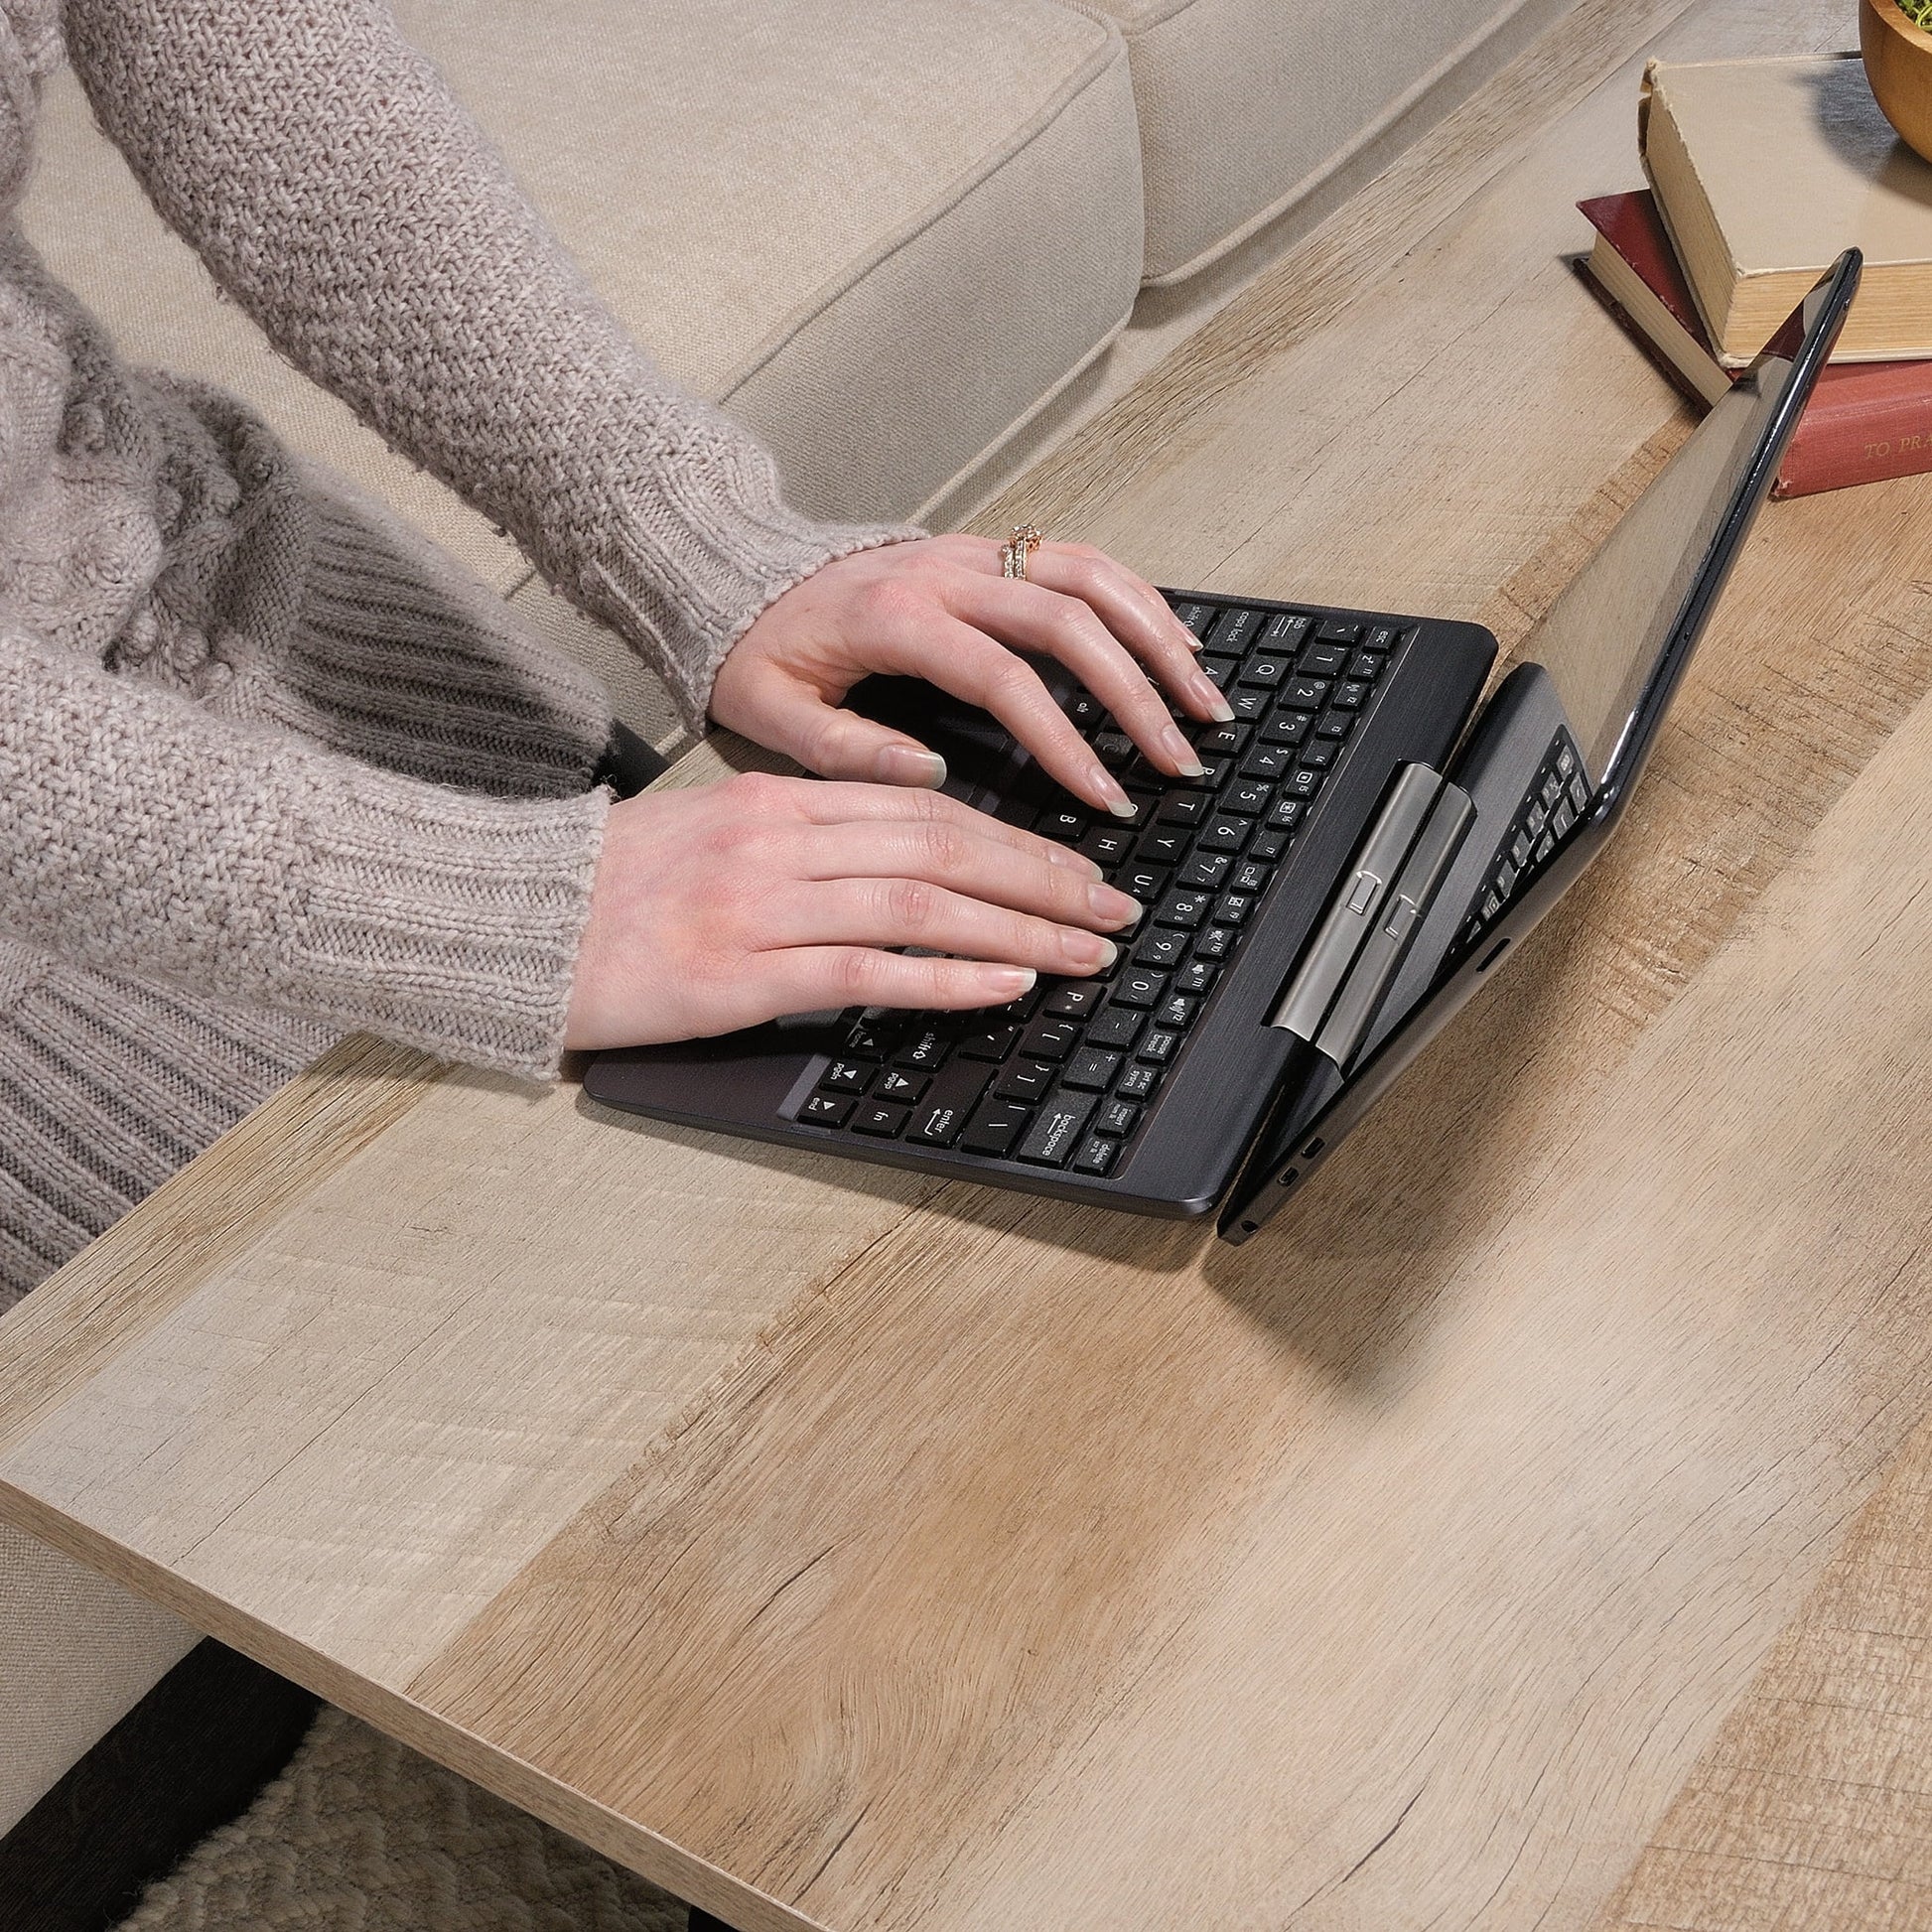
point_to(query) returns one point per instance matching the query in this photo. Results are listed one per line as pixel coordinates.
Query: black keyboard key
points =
(1021, 1008)
(1546, 845)
(1158, 1047)
(1024, 1081)
(1519, 847)
(1142, 882)
(1565, 761)
(1183, 808)
(990, 1044)
(1113, 748)
(1096, 1155)
(1552, 789)
(847, 1077)
(880, 1118)
(1224, 740)
(1050, 1039)
(1251, 798)
(1116, 1029)
(1366, 664)
(1224, 833)
(1249, 702)
(1338, 630)
(1164, 845)
(1264, 670)
(1195, 977)
(1565, 818)
(1056, 1130)
(1065, 827)
(1138, 804)
(1302, 783)
(994, 1128)
(1220, 669)
(1320, 753)
(1323, 660)
(1216, 943)
(1384, 636)
(1267, 846)
(1183, 910)
(1284, 814)
(1139, 986)
(1175, 1010)
(1107, 845)
(868, 1042)
(895, 1086)
(1286, 728)
(1285, 631)
(1197, 617)
(1306, 693)
(1334, 724)
(1116, 1117)
(1160, 949)
(1090, 1070)
(940, 1119)
(1578, 791)
(1250, 876)
(1084, 712)
(926, 1047)
(825, 1110)
(1237, 629)
(1350, 695)
(1204, 871)
(1232, 907)
(1075, 1000)
(1138, 1082)
(1538, 817)
(1268, 762)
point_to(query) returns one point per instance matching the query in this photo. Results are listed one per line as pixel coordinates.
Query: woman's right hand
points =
(724, 905)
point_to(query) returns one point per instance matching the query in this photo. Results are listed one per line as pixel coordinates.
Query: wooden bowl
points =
(1898, 63)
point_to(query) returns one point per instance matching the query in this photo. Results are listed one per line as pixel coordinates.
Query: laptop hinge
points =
(1333, 994)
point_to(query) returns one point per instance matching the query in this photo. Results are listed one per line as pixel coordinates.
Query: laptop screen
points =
(1605, 635)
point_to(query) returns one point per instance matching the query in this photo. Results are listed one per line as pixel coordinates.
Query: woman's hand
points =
(939, 608)
(727, 904)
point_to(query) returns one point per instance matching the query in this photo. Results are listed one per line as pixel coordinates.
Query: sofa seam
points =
(1111, 53)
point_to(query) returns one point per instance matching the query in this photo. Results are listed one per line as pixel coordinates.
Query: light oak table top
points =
(1530, 1531)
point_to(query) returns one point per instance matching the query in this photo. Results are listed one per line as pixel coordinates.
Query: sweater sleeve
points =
(140, 833)
(332, 185)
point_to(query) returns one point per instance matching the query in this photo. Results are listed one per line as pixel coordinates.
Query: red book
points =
(1866, 421)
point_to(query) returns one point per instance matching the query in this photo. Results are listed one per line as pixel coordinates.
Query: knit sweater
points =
(271, 767)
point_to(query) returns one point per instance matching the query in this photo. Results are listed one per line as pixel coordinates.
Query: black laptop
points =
(1367, 843)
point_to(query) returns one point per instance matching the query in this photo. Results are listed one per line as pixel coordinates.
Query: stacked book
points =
(1760, 173)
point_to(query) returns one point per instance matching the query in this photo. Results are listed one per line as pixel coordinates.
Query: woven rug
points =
(361, 1835)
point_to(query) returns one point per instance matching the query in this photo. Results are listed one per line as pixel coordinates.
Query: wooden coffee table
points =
(1530, 1531)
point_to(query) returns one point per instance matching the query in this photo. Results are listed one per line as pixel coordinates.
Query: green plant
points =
(1918, 12)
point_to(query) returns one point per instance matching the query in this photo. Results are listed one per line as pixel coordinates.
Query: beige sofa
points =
(886, 236)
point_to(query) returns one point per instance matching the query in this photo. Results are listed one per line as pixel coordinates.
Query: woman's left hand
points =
(940, 609)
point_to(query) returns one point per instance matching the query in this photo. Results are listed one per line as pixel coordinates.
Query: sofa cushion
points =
(880, 235)
(1245, 104)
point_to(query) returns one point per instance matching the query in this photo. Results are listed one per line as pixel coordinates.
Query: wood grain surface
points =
(1503, 1541)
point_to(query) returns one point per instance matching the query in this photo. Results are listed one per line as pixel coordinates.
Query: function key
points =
(1267, 846)
(1320, 751)
(1116, 1117)
(825, 1110)
(1566, 761)
(1335, 724)
(1284, 814)
(1303, 782)
(994, 1128)
(1195, 977)
(879, 1118)
(1264, 670)
(1175, 1010)
(1249, 876)
(1336, 631)
(1285, 631)
(1056, 1130)
(847, 1077)
(1216, 943)
(1232, 907)
(1138, 1082)
(1366, 664)
(1323, 660)
(895, 1086)
(1236, 631)
(1097, 1156)
(1552, 789)
(1350, 694)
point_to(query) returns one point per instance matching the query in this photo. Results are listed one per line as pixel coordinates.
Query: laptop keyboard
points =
(1063, 1077)
(1551, 804)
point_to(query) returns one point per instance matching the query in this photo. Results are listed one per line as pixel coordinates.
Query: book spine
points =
(1867, 441)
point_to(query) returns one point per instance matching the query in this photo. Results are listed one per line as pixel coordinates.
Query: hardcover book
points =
(1866, 421)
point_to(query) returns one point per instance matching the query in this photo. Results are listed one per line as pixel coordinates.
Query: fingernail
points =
(1210, 693)
(1108, 952)
(1059, 855)
(1117, 908)
(909, 764)
(1111, 795)
(1193, 643)
(1009, 981)
(1186, 760)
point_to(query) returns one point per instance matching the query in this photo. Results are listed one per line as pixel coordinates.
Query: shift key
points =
(1056, 1130)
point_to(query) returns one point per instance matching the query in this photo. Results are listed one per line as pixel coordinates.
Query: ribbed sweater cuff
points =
(699, 544)
(447, 920)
